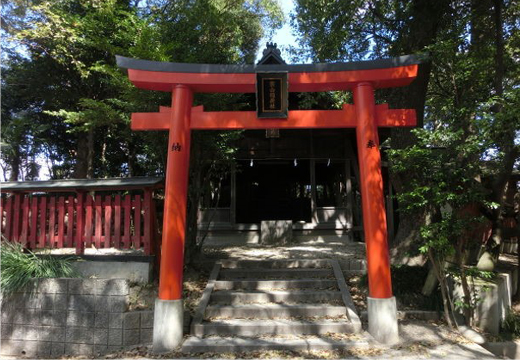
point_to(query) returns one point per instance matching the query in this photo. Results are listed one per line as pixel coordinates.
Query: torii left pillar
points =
(169, 311)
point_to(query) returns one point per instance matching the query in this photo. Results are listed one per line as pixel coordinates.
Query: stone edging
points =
(510, 349)
(345, 294)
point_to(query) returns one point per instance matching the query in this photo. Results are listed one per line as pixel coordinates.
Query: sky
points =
(282, 37)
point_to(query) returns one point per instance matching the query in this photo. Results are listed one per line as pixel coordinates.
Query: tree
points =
(63, 63)
(68, 76)
(67, 67)
(466, 94)
(214, 31)
(19, 144)
(443, 183)
(351, 31)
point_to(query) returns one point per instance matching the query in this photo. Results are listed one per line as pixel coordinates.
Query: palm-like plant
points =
(19, 267)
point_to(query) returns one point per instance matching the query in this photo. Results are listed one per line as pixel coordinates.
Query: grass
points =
(19, 267)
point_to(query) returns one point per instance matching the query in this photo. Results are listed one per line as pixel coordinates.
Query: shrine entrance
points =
(273, 189)
(272, 83)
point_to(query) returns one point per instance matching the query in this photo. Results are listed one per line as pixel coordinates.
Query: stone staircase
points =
(274, 305)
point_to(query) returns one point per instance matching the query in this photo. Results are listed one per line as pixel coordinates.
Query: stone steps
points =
(245, 327)
(241, 297)
(276, 264)
(263, 311)
(240, 307)
(259, 284)
(238, 273)
(232, 345)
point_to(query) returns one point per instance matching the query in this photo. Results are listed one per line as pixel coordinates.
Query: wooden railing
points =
(79, 221)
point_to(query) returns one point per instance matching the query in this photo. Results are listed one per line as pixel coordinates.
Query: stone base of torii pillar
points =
(382, 320)
(167, 325)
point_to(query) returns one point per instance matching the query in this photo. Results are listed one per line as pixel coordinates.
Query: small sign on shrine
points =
(271, 95)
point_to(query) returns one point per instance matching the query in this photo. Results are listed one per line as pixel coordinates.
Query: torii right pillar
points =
(382, 309)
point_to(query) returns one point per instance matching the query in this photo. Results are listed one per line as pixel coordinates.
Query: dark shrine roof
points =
(82, 184)
(148, 65)
(271, 55)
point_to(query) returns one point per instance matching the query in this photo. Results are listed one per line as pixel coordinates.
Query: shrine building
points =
(318, 171)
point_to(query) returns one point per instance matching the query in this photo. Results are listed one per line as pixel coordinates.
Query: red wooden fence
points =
(79, 221)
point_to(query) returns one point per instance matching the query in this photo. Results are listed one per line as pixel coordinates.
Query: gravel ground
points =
(422, 339)
(419, 340)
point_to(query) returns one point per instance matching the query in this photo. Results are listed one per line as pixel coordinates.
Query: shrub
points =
(17, 267)
(407, 283)
(408, 279)
(512, 324)
(405, 279)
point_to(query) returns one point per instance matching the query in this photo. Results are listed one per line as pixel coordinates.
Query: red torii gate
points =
(185, 79)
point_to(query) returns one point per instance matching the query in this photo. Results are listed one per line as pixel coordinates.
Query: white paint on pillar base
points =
(382, 320)
(167, 325)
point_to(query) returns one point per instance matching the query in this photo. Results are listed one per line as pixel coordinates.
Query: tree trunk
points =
(131, 157)
(441, 277)
(499, 43)
(404, 247)
(104, 172)
(80, 171)
(501, 178)
(90, 154)
(191, 248)
(517, 294)
(15, 164)
(85, 155)
(468, 308)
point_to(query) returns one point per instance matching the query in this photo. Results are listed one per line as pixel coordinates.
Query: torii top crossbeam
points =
(208, 78)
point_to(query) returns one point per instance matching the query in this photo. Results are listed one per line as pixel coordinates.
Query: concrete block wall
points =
(56, 317)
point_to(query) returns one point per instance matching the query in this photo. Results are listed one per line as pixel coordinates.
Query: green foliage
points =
(512, 324)
(333, 30)
(60, 71)
(20, 146)
(19, 267)
(473, 89)
(62, 77)
(214, 31)
(442, 172)
(475, 272)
